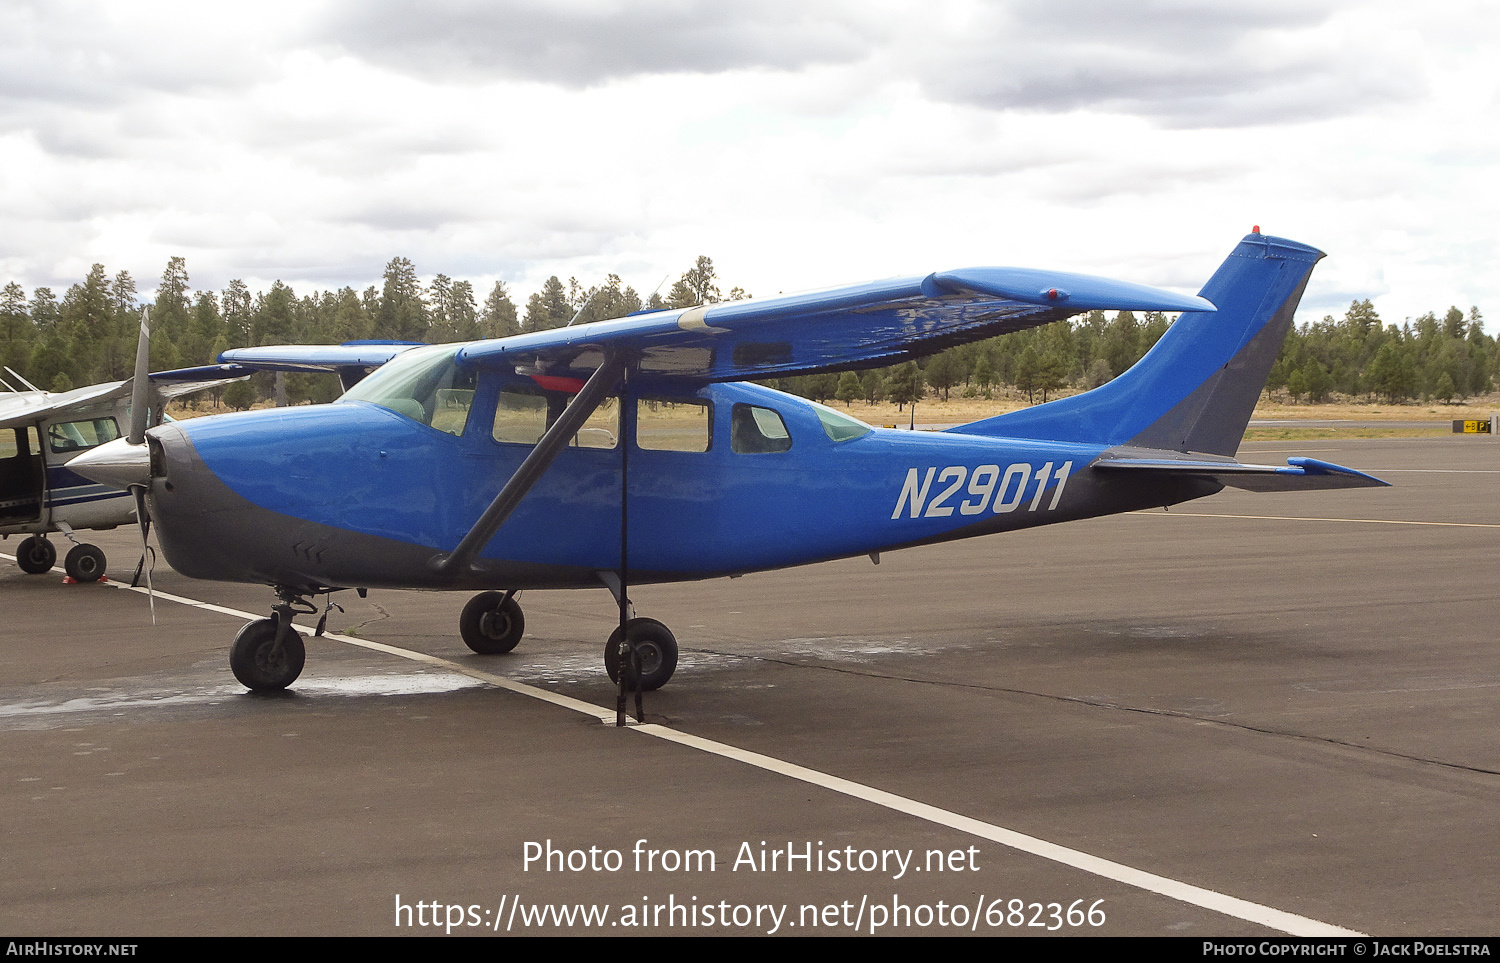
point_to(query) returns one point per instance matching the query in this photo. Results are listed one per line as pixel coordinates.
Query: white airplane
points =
(41, 432)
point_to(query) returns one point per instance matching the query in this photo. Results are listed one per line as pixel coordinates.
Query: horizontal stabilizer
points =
(1299, 474)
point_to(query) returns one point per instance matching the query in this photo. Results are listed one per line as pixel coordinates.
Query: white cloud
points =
(797, 144)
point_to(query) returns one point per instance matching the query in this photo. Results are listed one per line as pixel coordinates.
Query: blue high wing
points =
(351, 360)
(318, 357)
(862, 325)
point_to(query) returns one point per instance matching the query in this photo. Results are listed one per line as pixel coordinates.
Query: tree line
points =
(89, 336)
(1359, 358)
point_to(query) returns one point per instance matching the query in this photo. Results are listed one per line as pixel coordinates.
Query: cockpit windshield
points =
(424, 384)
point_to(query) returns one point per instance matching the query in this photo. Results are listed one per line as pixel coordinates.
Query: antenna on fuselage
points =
(587, 301)
(657, 290)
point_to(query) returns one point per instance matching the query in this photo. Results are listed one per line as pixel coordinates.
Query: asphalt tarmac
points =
(1252, 715)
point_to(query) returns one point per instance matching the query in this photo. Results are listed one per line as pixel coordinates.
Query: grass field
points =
(961, 410)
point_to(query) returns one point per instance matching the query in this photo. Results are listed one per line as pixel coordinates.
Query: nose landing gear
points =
(85, 563)
(268, 654)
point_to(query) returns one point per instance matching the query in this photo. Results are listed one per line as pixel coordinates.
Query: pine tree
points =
(984, 375)
(16, 331)
(402, 314)
(549, 307)
(942, 372)
(696, 286)
(238, 314)
(463, 313)
(273, 321)
(849, 388)
(498, 320)
(905, 384)
(43, 310)
(170, 314)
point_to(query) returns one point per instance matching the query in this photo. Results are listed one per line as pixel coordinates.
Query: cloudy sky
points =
(799, 143)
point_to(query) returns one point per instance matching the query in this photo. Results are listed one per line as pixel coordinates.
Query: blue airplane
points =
(634, 450)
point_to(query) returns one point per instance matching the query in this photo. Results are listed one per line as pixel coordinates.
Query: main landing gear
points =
(36, 555)
(84, 563)
(492, 624)
(268, 654)
(655, 654)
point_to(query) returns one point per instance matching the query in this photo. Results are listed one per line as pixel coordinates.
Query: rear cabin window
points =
(522, 416)
(754, 430)
(672, 425)
(839, 426)
(78, 435)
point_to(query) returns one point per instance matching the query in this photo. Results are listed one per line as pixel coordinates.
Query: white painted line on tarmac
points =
(1275, 919)
(1183, 892)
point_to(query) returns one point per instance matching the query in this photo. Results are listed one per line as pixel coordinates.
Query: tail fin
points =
(1195, 389)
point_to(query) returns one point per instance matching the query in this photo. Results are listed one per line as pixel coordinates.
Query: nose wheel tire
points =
(491, 624)
(36, 555)
(85, 563)
(260, 663)
(655, 645)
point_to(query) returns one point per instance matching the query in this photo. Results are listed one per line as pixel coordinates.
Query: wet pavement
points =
(1287, 700)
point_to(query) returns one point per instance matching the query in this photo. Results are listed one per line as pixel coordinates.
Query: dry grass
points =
(1389, 430)
(961, 410)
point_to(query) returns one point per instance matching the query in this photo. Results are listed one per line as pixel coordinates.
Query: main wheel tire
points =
(36, 555)
(259, 664)
(656, 646)
(85, 563)
(491, 624)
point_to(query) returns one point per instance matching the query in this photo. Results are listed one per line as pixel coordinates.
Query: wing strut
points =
(556, 438)
(630, 660)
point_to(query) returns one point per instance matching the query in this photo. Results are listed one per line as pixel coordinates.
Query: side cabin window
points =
(18, 443)
(523, 414)
(663, 424)
(838, 426)
(754, 430)
(424, 384)
(69, 436)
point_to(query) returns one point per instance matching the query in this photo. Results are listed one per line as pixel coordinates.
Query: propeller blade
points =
(140, 397)
(144, 517)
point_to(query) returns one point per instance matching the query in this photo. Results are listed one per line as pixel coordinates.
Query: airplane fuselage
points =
(619, 452)
(357, 495)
